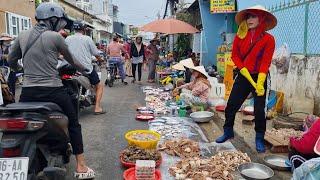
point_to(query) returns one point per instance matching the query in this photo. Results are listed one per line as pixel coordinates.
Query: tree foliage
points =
(183, 41)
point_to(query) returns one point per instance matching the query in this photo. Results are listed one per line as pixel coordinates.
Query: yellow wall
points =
(21, 7)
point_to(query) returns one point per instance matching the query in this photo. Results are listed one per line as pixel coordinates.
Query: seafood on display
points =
(184, 148)
(143, 136)
(219, 166)
(168, 128)
(133, 153)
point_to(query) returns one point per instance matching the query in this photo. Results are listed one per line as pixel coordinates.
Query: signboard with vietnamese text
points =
(222, 6)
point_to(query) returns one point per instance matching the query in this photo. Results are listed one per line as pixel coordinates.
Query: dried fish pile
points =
(133, 153)
(184, 148)
(219, 166)
(284, 133)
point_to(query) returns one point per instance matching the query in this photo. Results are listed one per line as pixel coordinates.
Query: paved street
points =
(104, 134)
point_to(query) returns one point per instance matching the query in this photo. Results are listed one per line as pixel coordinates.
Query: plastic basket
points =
(129, 174)
(131, 164)
(150, 144)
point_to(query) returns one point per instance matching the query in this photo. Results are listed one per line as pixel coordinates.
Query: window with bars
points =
(16, 23)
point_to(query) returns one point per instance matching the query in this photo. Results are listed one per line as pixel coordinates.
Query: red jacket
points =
(259, 58)
(306, 144)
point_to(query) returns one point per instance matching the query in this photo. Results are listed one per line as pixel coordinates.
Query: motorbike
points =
(35, 142)
(112, 72)
(78, 86)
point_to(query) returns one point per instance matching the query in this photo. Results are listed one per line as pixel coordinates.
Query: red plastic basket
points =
(144, 117)
(220, 108)
(130, 164)
(130, 174)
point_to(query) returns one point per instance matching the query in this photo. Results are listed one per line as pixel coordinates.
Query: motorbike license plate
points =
(14, 168)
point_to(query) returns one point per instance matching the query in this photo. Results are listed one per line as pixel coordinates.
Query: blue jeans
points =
(119, 63)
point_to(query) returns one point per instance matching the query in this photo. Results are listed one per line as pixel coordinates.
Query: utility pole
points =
(173, 6)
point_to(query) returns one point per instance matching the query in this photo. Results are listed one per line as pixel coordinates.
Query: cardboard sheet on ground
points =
(207, 150)
(187, 129)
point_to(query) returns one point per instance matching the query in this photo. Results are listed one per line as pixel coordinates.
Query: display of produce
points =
(219, 166)
(183, 148)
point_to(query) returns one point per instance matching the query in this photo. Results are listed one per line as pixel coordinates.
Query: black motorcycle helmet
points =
(79, 25)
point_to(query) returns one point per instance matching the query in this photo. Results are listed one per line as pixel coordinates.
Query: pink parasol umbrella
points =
(169, 26)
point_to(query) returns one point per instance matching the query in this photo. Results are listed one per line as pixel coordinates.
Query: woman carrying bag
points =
(252, 53)
(137, 57)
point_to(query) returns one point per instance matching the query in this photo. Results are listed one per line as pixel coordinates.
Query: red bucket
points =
(130, 174)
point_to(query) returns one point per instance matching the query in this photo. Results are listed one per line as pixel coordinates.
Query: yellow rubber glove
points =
(260, 84)
(244, 71)
(163, 81)
(243, 29)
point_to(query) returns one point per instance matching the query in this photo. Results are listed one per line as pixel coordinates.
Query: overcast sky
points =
(140, 12)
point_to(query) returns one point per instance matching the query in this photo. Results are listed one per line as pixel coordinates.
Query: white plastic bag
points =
(309, 170)
(281, 59)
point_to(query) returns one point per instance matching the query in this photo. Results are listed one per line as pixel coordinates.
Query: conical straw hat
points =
(271, 20)
(201, 70)
(188, 63)
(178, 67)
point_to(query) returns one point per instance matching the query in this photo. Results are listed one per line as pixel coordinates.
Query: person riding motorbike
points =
(83, 48)
(114, 51)
(39, 48)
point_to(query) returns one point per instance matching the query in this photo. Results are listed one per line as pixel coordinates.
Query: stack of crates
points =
(145, 170)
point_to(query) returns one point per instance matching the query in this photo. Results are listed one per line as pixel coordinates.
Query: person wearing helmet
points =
(39, 49)
(115, 51)
(83, 48)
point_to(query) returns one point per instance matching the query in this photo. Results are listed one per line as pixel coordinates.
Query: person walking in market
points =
(127, 63)
(252, 52)
(137, 57)
(115, 51)
(83, 48)
(153, 58)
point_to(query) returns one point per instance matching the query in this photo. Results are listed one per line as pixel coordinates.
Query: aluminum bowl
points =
(201, 116)
(277, 162)
(255, 171)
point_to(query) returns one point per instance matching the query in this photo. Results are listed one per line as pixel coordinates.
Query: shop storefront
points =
(218, 30)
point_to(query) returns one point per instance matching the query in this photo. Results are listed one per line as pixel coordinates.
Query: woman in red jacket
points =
(302, 149)
(252, 52)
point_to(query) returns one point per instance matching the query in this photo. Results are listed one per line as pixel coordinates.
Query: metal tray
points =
(276, 162)
(202, 116)
(255, 171)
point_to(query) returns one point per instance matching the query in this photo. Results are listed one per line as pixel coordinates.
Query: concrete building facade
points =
(16, 16)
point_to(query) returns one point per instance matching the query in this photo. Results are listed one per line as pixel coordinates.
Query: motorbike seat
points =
(32, 106)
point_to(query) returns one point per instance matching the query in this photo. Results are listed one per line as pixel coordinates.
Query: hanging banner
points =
(222, 6)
